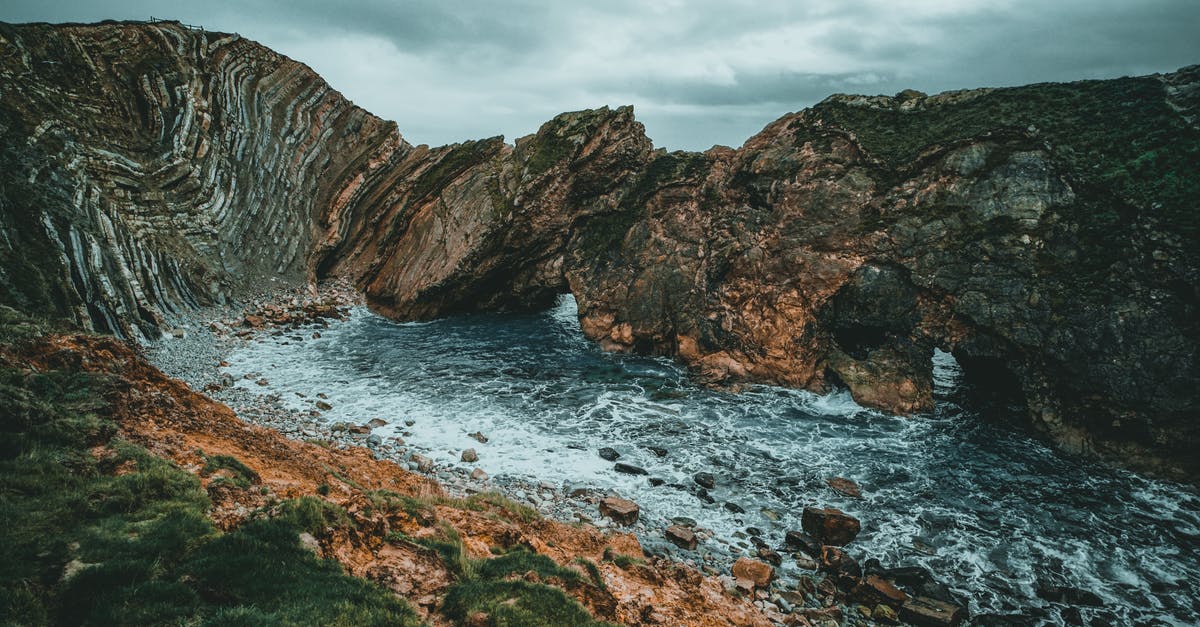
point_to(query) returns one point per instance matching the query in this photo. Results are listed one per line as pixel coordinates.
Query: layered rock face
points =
(149, 168)
(1046, 236)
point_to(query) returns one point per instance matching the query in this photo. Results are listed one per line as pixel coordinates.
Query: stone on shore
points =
(759, 573)
(845, 486)
(705, 480)
(830, 525)
(621, 511)
(629, 469)
(926, 612)
(470, 456)
(681, 537)
(609, 454)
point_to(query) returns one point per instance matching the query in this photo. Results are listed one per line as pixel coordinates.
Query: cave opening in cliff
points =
(989, 386)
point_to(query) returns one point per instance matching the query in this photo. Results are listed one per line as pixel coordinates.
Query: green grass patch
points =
(515, 510)
(124, 538)
(243, 475)
(513, 603)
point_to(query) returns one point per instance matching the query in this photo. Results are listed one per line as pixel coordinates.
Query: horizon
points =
(697, 73)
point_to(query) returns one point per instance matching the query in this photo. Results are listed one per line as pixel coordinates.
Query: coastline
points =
(796, 590)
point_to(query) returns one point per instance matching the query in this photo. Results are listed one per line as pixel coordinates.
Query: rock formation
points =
(1046, 236)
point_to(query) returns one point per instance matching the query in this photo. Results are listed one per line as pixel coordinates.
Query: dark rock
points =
(621, 511)
(705, 480)
(1068, 595)
(628, 469)
(926, 612)
(770, 556)
(655, 481)
(479, 437)
(681, 537)
(734, 507)
(829, 525)
(609, 454)
(657, 450)
(908, 576)
(842, 568)
(874, 590)
(800, 541)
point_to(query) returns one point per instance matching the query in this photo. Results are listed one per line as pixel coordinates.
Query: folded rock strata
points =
(1046, 236)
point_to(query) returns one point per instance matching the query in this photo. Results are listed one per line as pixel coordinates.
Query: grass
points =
(513, 603)
(620, 559)
(243, 475)
(516, 511)
(123, 537)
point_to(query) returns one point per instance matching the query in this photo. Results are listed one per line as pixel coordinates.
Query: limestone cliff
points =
(1045, 235)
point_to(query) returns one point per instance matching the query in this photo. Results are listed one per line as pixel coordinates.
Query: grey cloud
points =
(698, 72)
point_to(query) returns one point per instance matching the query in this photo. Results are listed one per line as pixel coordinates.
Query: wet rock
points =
(926, 612)
(770, 556)
(842, 568)
(875, 589)
(375, 423)
(829, 525)
(479, 475)
(621, 511)
(323, 406)
(253, 322)
(424, 464)
(760, 573)
(263, 382)
(374, 440)
(410, 422)
(845, 486)
(609, 454)
(469, 456)
(734, 507)
(657, 450)
(681, 537)
(479, 437)
(800, 541)
(358, 429)
(1068, 595)
(885, 614)
(629, 469)
(705, 480)
(655, 481)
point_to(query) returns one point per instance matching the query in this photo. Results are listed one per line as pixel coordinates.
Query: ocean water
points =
(993, 513)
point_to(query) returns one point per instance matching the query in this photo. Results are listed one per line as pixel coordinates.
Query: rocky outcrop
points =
(1046, 236)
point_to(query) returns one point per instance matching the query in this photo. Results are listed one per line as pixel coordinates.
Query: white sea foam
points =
(998, 511)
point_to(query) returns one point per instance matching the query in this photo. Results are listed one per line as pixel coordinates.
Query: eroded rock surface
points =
(1046, 236)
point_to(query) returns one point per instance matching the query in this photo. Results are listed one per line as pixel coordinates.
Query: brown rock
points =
(927, 612)
(843, 569)
(479, 437)
(375, 423)
(479, 475)
(758, 572)
(830, 525)
(470, 456)
(845, 486)
(875, 589)
(424, 464)
(681, 537)
(253, 322)
(621, 511)
(323, 406)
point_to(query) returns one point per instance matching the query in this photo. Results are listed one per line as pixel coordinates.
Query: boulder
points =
(681, 537)
(609, 454)
(621, 511)
(760, 573)
(875, 589)
(479, 475)
(470, 456)
(926, 612)
(798, 540)
(424, 464)
(830, 525)
(323, 406)
(629, 469)
(479, 437)
(705, 480)
(375, 423)
(843, 569)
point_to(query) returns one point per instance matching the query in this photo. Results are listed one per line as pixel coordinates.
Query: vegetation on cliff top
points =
(98, 531)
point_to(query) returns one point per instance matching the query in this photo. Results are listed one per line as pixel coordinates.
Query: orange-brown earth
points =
(170, 420)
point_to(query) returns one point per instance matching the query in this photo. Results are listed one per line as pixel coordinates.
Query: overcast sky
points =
(697, 72)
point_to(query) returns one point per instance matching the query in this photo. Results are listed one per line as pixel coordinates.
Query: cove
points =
(995, 514)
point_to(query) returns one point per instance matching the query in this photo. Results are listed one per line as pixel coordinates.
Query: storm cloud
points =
(698, 72)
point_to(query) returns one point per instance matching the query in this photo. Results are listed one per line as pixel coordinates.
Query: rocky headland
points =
(1046, 236)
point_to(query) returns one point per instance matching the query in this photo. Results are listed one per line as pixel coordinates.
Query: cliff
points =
(1044, 235)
